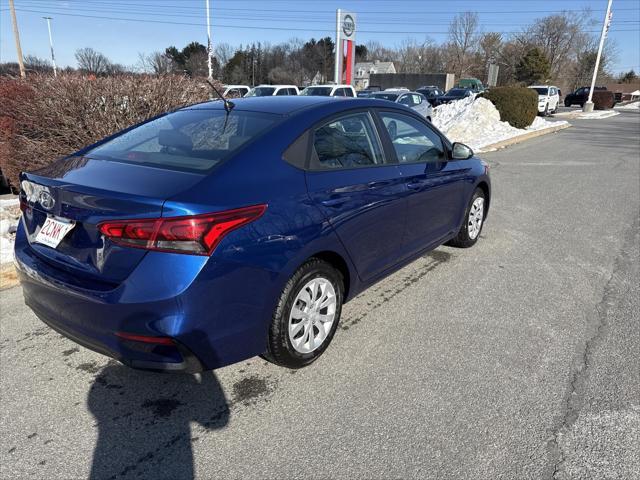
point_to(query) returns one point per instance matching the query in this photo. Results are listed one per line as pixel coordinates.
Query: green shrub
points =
(43, 118)
(603, 99)
(517, 105)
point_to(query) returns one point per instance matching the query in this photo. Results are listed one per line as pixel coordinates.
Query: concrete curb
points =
(522, 138)
(8, 276)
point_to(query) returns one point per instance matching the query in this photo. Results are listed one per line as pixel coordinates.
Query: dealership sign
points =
(345, 47)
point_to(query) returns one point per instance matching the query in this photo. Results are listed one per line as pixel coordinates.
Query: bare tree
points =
(559, 37)
(92, 61)
(37, 64)
(223, 52)
(463, 31)
(157, 63)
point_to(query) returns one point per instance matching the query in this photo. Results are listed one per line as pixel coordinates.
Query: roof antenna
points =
(228, 104)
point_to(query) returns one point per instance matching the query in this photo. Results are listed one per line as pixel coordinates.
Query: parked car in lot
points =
(580, 96)
(454, 94)
(329, 91)
(222, 231)
(415, 100)
(431, 93)
(235, 91)
(472, 84)
(272, 90)
(548, 98)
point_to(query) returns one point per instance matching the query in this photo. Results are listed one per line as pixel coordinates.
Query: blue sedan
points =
(219, 231)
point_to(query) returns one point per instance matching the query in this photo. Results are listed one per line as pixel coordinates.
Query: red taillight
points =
(196, 234)
(146, 338)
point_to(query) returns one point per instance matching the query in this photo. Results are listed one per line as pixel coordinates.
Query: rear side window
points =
(346, 142)
(413, 141)
(348, 92)
(283, 91)
(339, 92)
(187, 140)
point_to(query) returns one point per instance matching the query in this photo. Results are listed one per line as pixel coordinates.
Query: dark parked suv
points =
(580, 96)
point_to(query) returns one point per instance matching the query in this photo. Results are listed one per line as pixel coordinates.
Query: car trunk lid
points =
(88, 191)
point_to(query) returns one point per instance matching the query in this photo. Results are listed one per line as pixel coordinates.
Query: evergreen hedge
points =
(517, 105)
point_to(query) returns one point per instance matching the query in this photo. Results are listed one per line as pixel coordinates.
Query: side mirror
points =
(461, 152)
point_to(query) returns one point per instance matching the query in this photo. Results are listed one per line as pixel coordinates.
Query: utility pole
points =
(16, 35)
(209, 43)
(588, 106)
(53, 57)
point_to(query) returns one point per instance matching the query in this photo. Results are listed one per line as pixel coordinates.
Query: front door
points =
(434, 182)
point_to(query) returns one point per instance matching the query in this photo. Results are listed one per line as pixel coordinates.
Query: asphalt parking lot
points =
(517, 359)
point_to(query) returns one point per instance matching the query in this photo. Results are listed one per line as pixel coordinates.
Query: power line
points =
(248, 27)
(111, 3)
(279, 18)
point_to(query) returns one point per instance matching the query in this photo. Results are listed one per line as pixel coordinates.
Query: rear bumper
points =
(167, 295)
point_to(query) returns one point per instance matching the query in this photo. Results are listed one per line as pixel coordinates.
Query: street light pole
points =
(209, 43)
(588, 106)
(53, 57)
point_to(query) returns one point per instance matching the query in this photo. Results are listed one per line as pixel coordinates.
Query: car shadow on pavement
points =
(147, 422)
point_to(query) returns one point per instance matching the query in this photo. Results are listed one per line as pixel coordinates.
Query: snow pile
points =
(476, 122)
(9, 216)
(596, 114)
(629, 106)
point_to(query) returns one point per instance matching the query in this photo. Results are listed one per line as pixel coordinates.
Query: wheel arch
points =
(484, 186)
(339, 263)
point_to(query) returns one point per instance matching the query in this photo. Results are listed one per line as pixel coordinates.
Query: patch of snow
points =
(9, 202)
(629, 106)
(9, 217)
(476, 123)
(6, 250)
(596, 114)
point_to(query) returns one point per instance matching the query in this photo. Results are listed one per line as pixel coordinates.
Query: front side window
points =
(283, 91)
(186, 140)
(339, 92)
(348, 92)
(346, 142)
(413, 141)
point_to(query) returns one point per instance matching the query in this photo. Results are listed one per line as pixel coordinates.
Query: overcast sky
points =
(135, 26)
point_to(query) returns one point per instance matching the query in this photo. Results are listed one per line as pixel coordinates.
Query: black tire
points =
(567, 103)
(463, 239)
(280, 350)
(546, 111)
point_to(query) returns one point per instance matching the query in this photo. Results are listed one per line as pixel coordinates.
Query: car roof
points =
(286, 105)
(542, 86)
(276, 86)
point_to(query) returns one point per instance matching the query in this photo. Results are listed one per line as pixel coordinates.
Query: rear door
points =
(434, 183)
(359, 190)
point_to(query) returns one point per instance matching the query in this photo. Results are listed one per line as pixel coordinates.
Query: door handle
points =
(415, 186)
(335, 202)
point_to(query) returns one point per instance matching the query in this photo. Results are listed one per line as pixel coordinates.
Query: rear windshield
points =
(261, 92)
(385, 96)
(187, 140)
(317, 91)
(540, 90)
